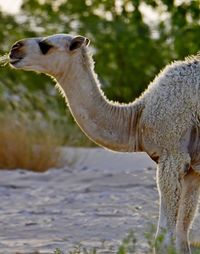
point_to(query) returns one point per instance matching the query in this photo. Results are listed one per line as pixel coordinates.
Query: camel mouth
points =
(14, 61)
(16, 53)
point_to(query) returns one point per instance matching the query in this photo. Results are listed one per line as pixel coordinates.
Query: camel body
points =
(163, 122)
(170, 119)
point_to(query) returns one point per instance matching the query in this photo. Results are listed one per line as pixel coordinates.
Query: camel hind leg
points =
(187, 209)
(169, 180)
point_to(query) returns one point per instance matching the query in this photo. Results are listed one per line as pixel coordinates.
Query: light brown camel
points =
(163, 122)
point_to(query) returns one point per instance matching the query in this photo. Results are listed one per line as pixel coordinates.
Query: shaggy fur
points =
(163, 121)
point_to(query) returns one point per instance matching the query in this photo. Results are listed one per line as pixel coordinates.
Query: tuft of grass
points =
(26, 145)
(57, 251)
(128, 244)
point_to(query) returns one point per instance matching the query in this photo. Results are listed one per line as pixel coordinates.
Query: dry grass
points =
(27, 146)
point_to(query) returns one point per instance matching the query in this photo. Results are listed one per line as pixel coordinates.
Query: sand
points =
(94, 200)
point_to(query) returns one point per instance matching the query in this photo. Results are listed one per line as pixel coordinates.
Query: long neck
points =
(108, 124)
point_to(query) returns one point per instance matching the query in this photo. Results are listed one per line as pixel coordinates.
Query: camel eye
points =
(44, 47)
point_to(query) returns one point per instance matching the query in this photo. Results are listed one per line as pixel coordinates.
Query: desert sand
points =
(94, 200)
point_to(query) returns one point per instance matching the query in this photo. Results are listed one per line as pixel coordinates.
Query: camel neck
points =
(108, 124)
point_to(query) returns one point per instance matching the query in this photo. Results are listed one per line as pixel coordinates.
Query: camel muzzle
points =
(16, 52)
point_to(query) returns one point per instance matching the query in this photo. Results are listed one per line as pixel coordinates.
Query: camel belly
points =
(190, 143)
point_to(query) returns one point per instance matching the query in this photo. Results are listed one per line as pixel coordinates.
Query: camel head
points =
(49, 55)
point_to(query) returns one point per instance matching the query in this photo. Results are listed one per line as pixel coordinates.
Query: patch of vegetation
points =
(33, 127)
(25, 145)
(45, 107)
(128, 245)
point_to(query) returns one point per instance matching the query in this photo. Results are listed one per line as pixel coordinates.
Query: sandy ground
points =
(95, 202)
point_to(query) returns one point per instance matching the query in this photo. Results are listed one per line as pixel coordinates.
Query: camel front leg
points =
(187, 209)
(169, 176)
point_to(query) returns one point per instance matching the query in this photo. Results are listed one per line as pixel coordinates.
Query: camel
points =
(163, 121)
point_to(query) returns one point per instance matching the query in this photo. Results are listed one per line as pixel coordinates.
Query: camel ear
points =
(77, 42)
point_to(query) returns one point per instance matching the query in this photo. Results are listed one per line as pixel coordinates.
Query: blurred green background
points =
(131, 41)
